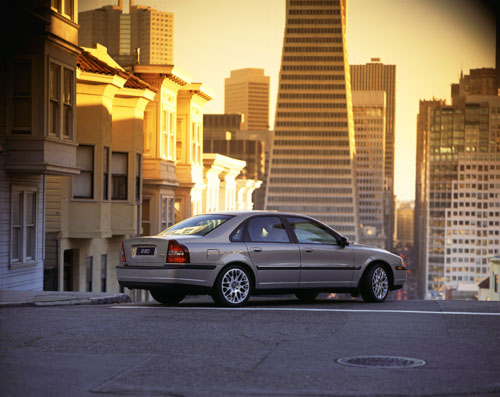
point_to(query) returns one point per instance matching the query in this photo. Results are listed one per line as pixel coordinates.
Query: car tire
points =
(375, 284)
(232, 287)
(167, 297)
(306, 296)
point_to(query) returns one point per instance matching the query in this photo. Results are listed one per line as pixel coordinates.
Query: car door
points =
(324, 263)
(274, 255)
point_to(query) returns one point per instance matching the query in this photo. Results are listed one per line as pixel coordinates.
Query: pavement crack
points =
(265, 356)
(107, 386)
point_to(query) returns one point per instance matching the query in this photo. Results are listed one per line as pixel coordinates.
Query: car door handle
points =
(308, 250)
(256, 249)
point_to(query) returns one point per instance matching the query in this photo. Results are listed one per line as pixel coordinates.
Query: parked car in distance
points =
(233, 255)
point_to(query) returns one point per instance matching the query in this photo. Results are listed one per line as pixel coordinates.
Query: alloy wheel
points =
(380, 283)
(235, 286)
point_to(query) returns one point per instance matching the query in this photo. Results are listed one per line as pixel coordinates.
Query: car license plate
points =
(145, 251)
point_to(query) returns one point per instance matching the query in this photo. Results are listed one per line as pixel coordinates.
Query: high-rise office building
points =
(222, 134)
(463, 196)
(375, 76)
(478, 82)
(422, 191)
(369, 125)
(312, 161)
(133, 34)
(404, 222)
(472, 226)
(246, 91)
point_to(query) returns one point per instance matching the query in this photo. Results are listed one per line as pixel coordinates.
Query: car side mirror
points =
(344, 241)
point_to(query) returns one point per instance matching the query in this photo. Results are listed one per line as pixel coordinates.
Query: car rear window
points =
(199, 225)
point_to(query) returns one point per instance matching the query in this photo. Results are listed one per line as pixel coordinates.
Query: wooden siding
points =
(53, 199)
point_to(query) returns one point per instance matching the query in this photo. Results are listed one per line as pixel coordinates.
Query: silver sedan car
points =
(233, 255)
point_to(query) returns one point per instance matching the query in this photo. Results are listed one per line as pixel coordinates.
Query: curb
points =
(119, 298)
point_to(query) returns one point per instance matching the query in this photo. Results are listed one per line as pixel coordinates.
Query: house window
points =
(105, 176)
(104, 272)
(61, 100)
(119, 176)
(171, 137)
(167, 212)
(54, 100)
(67, 127)
(22, 97)
(88, 273)
(146, 217)
(164, 133)
(83, 184)
(23, 225)
(138, 170)
(64, 7)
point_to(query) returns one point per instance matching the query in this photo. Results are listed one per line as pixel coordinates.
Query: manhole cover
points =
(381, 362)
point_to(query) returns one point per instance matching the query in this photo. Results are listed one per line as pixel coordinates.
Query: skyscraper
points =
(132, 34)
(404, 222)
(463, 200)
(375, 76)
(369, 125)
(246, 91)
(312, 161)
(422, 190)
(477, 82)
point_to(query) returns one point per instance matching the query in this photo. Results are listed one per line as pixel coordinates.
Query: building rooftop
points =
(87, 62)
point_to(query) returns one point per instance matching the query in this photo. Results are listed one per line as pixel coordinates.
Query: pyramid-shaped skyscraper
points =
(312, 161)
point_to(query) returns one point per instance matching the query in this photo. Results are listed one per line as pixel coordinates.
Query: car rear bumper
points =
(190, 277)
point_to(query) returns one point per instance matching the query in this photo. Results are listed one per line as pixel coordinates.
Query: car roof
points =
(256, 212)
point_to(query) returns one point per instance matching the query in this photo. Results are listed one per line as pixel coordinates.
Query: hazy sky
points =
(429, 41)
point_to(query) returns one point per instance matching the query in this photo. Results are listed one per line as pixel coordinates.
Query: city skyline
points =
(429, 42)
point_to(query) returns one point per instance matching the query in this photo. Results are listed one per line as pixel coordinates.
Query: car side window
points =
(309, 232)
(267, 229)
(237, 235)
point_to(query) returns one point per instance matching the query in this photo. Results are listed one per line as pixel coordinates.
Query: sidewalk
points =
(10, 298)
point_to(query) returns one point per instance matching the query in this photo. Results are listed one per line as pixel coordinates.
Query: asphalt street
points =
(274, 346)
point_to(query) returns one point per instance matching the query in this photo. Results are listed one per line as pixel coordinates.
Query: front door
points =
(324, 263)
(275, 256)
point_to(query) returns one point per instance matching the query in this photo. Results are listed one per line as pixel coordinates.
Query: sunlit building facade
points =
(88, 215)
(191, 100)
(312, 162)
(246, 92)
(472, 227)
(463, 196)
(376, 76)
(160, 146)
(369, 125)
(132, 33)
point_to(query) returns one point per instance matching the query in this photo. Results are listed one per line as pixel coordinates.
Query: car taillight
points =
(122, 254)
(177, 253)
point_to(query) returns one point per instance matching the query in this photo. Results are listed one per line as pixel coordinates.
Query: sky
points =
(429, 41)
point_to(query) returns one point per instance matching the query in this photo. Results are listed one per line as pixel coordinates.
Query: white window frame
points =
(114, 173)
(59, 132)
(167, 212)
(24, 259)
(88, 171)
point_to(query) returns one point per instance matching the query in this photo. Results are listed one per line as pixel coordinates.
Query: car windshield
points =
(199, 225)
